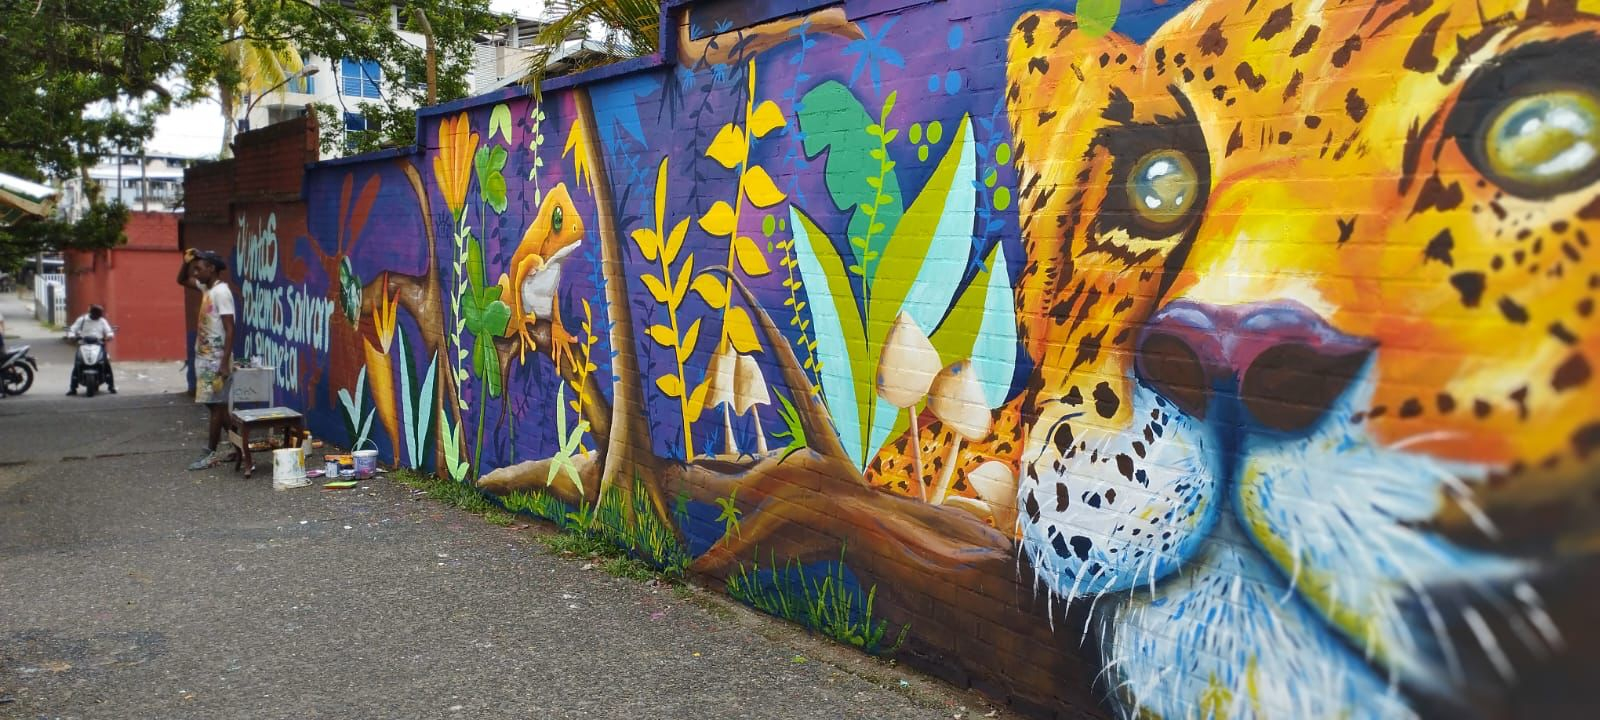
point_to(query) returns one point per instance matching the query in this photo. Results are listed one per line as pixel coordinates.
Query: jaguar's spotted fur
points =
(1315, 445)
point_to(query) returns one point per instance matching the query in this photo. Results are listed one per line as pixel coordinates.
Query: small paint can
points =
(330, 468)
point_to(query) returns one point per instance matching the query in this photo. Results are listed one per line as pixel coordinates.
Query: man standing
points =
(92, 325)
(213, 349)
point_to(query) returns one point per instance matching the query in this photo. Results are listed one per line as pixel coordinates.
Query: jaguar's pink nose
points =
(1284, 363)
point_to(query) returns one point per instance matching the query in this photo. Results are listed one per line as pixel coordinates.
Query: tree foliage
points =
(634, 30)
(82, 79)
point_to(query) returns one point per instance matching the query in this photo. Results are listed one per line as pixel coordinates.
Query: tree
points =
(634, 30)
(250, 65)
(82, 79)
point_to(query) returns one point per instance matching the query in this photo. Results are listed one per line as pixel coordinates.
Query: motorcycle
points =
(91, 365)
(17, 369)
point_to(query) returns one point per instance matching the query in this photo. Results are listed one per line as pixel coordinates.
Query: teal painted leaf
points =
(841, 341)
(930, 246)
(500, 122)
(834, 121)
(994, 353)
(408, 399)
(982, 326)
(1095, 17)
(428, 402)
(349, 291)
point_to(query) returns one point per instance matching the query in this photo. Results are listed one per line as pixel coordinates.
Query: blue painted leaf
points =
(841, 341)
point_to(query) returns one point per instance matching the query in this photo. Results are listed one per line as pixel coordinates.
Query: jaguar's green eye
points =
(555, 219)
(1163, 186)
(1545, 143)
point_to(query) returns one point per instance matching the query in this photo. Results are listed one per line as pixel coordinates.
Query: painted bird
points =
(530, 288)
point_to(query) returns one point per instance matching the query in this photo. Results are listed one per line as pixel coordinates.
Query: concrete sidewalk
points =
(130, 588)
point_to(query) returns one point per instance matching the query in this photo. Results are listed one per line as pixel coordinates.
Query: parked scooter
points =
(17, 369)
(92, 368)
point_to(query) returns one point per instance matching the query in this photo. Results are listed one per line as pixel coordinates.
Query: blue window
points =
(303, 84)
(359, 78)
(354, 125)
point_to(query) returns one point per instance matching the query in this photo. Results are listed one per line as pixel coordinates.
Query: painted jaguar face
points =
(1311, 290)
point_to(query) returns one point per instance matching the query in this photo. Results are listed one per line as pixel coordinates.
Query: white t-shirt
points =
(209, 331)
(88, 327)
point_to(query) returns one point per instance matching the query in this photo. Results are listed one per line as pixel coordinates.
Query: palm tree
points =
(251, 67)
(634, 30)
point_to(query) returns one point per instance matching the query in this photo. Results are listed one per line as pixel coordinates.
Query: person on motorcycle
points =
(92, 324)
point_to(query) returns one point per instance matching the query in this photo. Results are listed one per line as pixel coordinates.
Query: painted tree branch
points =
(627, 451)
(733, 48)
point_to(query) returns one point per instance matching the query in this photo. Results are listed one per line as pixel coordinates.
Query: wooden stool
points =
(261, 422)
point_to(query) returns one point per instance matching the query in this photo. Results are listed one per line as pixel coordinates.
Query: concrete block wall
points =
(150, 325)
(1140, 359)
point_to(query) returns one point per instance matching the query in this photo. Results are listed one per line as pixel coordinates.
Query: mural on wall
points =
(1204, 359)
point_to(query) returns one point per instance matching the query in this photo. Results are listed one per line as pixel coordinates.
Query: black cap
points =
(213, 258)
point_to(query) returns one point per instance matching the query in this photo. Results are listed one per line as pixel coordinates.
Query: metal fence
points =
(50, 298)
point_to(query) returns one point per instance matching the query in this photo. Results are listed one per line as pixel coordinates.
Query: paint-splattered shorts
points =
(210, 387)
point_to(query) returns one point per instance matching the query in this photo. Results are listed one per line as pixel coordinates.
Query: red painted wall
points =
(149, 324)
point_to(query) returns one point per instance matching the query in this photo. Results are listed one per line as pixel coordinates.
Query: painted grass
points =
(831, 604)
(616, 529)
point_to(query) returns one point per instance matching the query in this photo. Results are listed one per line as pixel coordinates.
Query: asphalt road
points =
(130, 588)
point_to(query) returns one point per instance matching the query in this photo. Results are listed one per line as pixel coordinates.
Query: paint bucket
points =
(366, 462)
(288, 469)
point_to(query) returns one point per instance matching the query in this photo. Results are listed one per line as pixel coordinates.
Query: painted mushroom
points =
(906, 369)
(750, 390)
(996, 484)
(956, 398)
(721, 392)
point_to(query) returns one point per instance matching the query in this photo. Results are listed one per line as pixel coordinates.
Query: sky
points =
(196, 130)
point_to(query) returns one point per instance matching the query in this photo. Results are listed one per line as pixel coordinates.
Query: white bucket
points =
(288, 469)
(366, 462)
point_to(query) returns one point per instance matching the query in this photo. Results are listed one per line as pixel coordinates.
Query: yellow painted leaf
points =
(657, 289)
(670, 385)
(697, 402)
(766, 118)
(741, 332)
(681, 287)
(719, 220)
(713, 290)
(675, 241)
(649, 243)
(661, 196)
(728, 147)
(686, 347)
(751, 260)
(758, 187)
(663, 336)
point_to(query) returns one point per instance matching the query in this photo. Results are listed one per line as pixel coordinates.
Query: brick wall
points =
(1145, 359)
(267, 170)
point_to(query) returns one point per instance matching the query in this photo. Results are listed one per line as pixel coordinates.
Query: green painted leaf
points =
(489, 163)
(929, 246)
(1095, 17)
(494, 191)
(500, 122)
(496, 315)
(835, 122)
